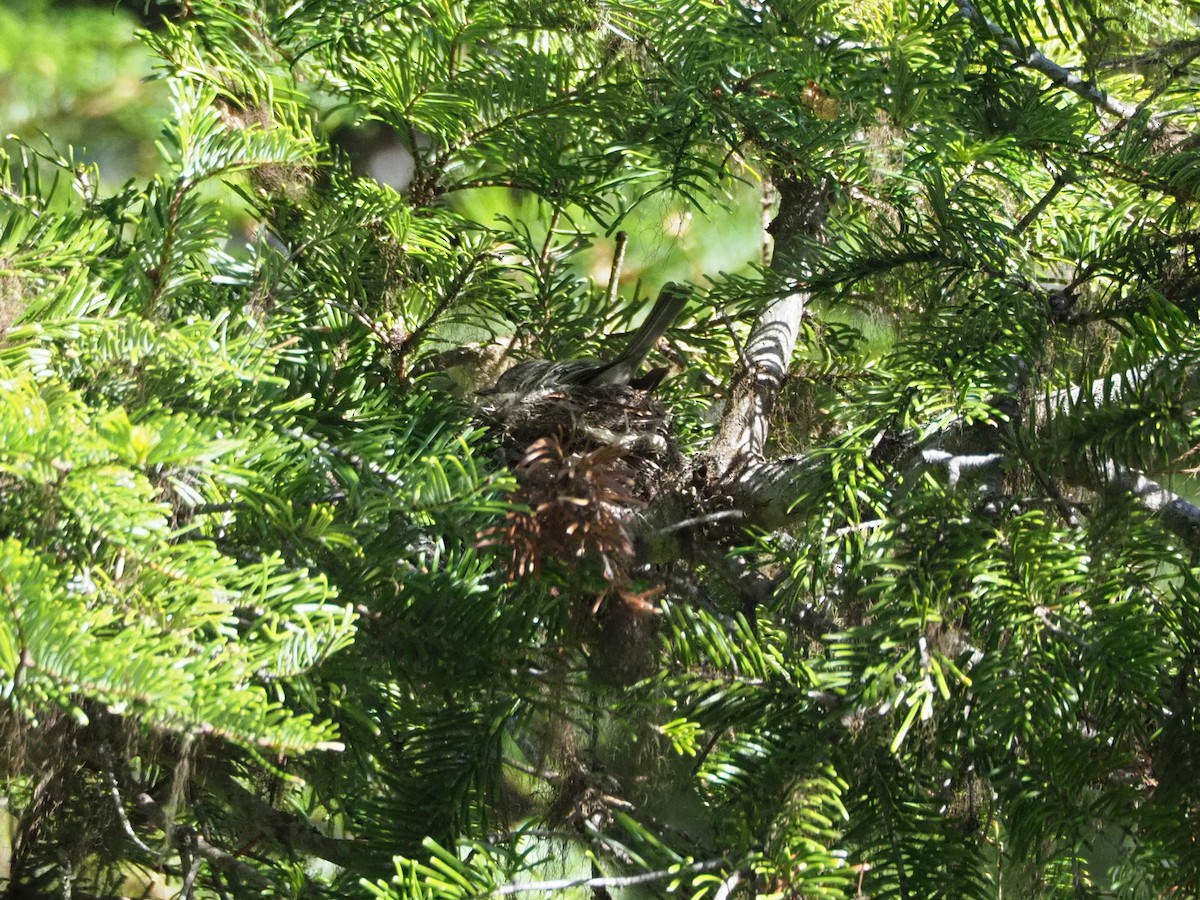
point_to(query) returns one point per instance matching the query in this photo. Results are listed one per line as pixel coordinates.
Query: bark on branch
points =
(742, 432)
(1121, 388)
(1034, 59)
(219, 859)
(294, 834)
(977, 455)
(604, 882)
(1181, 516)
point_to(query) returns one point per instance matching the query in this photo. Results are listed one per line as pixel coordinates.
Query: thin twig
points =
(447, 300)
(614, 274)
(363, 319)
(313, 444)
(126, 825)
(189, 881)
(702, 520)
(218, 858)
(1157, 55)
(1060, 182)
(728, 886)
(564, 884)
(859, 526)
(548, 244)
(158, 274)
(19, 199)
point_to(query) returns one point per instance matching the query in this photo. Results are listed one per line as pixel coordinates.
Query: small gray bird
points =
(547, 374)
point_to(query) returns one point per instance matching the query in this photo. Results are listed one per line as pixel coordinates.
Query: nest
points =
(625, 422)
(588, 459)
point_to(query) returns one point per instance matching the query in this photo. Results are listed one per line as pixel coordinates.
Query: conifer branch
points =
(444, 303)
(1039, 62)
(600, 883)
(217, 857)
(298, 836)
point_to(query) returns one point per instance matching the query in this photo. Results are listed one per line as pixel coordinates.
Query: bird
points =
(547, 374)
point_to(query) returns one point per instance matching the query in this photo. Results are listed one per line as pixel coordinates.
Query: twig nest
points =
(583, 419)
(588, 459)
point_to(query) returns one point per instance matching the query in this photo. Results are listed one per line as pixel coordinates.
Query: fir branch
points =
(445, 302)
(1179, 515)
(1060, 182)
(1158, 55)
(217, 857)
(1036, 60)
(119, 805)
(159, 272)
(599, 883)
(292, 833)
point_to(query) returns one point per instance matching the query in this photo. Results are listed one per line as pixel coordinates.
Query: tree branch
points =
(742, 433)
(563, 884)
(767, 491)
(288, 831)
(219, 859)
(1034, 59)
(1179, 515)
(1121, 387)
(1060, 182)
(1158, 56)
(451, 295)
(126, 825)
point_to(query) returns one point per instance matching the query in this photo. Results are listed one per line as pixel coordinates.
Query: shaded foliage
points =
(277, 617)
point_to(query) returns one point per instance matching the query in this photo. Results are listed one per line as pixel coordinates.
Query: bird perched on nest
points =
(547, 374)
(589, 403)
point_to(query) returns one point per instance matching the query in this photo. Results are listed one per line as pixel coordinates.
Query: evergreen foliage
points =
(263, 632)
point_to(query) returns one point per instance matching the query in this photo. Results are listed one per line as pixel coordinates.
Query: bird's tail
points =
(670, 303)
